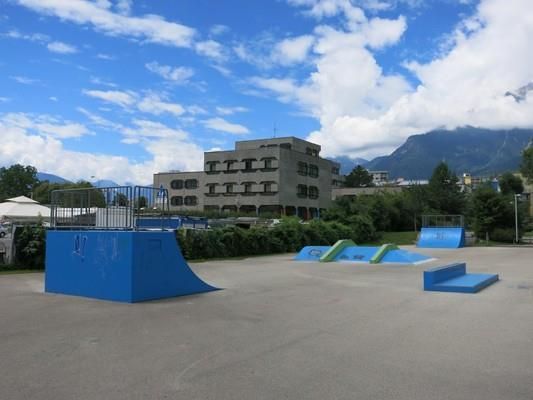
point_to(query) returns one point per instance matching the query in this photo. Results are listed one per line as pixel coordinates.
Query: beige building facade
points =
(284, 176)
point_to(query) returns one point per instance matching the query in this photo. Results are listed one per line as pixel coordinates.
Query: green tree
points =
(359, 177)
(510, 184)
(490, 210)
(43, 194)
(17, 180)
(445, 195)
(120, 200)
(526, 167)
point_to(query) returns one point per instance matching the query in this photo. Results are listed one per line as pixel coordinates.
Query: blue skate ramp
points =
(441, 238)
(311, 253)
(126, 266)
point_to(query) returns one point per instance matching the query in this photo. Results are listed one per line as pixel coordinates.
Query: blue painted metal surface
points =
(357, 254)
(404, 257)
(311, 253)
(444, 238)
(453, 278)
(127, 266)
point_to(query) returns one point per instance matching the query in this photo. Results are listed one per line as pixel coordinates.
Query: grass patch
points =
(399, 238)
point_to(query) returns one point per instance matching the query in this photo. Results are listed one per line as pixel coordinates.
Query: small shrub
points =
(504, 235)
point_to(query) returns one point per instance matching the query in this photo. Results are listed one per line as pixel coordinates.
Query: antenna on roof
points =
(275, 130)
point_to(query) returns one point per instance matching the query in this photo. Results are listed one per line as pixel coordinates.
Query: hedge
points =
(288, 236)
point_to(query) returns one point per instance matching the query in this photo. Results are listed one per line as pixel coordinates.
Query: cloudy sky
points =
(120, 89)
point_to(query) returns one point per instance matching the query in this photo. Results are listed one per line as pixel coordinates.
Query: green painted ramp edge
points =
(384, 249)
(336, 249)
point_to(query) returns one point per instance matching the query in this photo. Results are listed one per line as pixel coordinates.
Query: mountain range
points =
(480, 152)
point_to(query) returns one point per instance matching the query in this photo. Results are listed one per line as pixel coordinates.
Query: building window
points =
(211, 166)
(176, 200)
(248, 187)
(248, 164)
(211, 188)
(313, 171)
(268, 163)
(191, 184)
(313, 192)
(267, 187)
(301, 191)
(335, 170)
(302, 168)
(285, 146)
(191, 200)
(229, 188)
(176, 184)
(230, 166)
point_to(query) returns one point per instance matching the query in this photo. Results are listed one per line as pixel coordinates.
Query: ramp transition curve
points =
(444, 238)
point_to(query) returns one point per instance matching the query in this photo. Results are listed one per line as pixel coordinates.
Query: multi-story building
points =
(284, 176)
(379, 178)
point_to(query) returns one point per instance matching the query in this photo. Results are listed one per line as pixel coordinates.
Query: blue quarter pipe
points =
(126, 266)
(444, 238)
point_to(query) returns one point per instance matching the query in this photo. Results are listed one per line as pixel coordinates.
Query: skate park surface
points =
(280, 330)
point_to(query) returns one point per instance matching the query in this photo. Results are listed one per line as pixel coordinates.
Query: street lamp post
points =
(516, 196)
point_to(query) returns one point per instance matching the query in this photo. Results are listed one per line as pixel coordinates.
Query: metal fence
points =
(443, 221)
(118, 207)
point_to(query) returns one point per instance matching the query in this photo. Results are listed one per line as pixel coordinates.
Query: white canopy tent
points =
(23, 209)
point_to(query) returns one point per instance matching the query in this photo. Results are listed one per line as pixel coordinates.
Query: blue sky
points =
(120, 89)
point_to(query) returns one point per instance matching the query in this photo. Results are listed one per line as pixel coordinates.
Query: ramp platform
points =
(125, 266)
(453, 278)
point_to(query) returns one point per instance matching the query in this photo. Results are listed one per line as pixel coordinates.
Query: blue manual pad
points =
(453, 278)
(311, 253)
(469, 283)
(443, 238)
(127, 266)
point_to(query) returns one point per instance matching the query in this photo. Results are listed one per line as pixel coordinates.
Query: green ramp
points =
(384, 249)
(336, 249)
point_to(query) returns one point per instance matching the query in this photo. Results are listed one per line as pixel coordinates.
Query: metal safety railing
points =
(118, 207)
(443, 221)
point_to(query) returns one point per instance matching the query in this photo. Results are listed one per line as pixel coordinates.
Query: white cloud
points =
(61, 48)
(4, 99)
(293, 50)
(168, 149)
(123, 99)
(45, 125)
(124, 6)
(220, 124)
(219, 29)
(53, 98)
(211, 49)
(231, 110)
(364, 111)
(24, 80)
(153, 104)
(99, 15)
(490, 54)
(107, 57)
(178, 75)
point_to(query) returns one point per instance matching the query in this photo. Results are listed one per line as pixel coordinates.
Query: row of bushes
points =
(288, 236)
